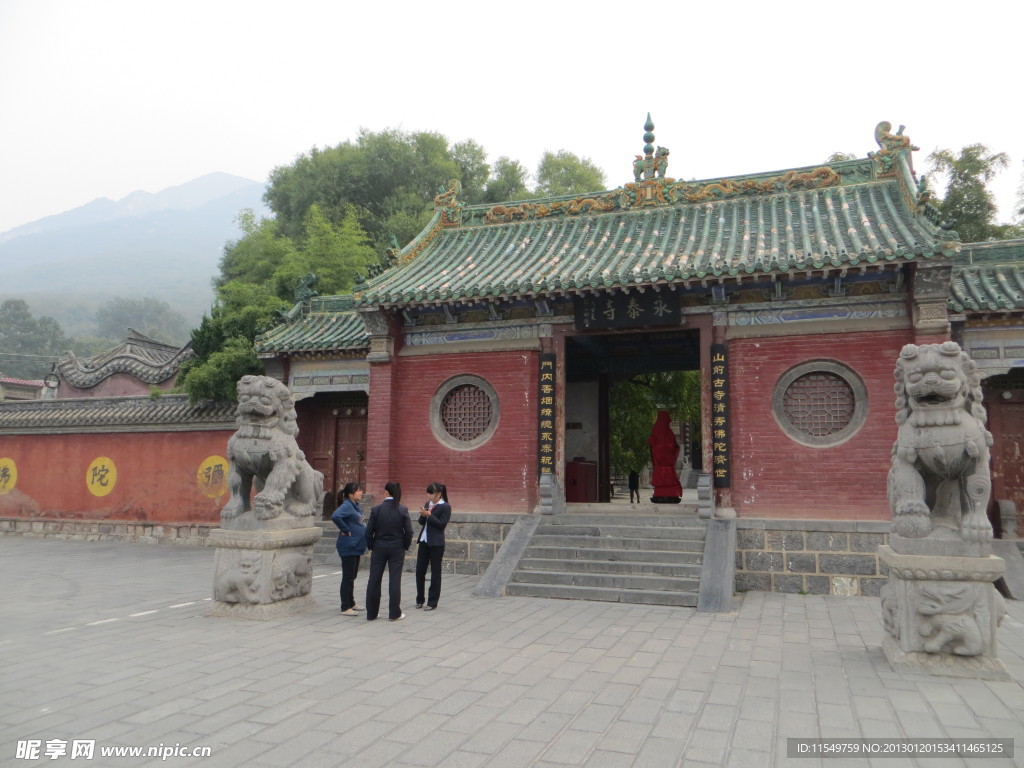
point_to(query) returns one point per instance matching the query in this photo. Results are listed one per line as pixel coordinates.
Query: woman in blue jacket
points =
(351, 544)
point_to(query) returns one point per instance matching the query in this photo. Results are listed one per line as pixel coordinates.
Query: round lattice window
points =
(820, 403)
(464, 412)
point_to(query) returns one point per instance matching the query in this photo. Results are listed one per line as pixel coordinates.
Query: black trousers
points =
(391, 557)
(428, 555)
(349, 569)
(632, 492)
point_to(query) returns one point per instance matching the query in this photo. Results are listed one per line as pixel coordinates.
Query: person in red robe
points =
(664, 452)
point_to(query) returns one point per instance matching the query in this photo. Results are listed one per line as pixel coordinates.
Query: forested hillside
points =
(165, 245)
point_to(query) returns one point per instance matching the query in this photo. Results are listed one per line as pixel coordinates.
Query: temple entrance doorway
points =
(615, 384)
(332, 434)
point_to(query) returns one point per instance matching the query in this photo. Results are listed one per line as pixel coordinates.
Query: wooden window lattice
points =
(466, 412)
(819, 404)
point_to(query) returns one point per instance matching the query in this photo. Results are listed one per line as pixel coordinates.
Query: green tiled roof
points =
(989, 277)
(324, 324)
(763, 225)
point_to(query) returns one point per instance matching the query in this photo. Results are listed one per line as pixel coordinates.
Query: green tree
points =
(474, 170)
(256, 256)
(968, 203)
(507, 181)
(334, 253)
(223, 342)
(1019, 213)
(149, 316)
(633, 406)
(838, 157)
(28, 345)
(390, 177)
(563, 173)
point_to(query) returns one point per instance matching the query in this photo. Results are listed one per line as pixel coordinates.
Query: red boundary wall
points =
(158, 476)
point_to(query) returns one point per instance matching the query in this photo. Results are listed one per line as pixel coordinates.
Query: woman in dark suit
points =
(388, 536)
(434, 517)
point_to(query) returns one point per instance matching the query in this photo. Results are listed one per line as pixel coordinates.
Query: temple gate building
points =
(485, 345)
(482, 354)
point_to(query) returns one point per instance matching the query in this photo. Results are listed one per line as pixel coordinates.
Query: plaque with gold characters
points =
(8, 475)
(212, 476)
(101, 476)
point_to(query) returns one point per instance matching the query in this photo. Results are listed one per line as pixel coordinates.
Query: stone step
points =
(644, 597)
(635, 520)
(626, 509)
(673, 570)
(635, 542)
(581, 552)
(325, 550)
(603, 530)
(607, 581)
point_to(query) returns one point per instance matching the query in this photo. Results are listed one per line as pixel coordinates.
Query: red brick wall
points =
(156, 476)
(499, 476)
(774, 476)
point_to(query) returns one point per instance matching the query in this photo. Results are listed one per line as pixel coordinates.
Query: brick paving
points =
(108, 641)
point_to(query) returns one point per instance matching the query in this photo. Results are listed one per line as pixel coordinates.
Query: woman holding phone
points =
(434, 516)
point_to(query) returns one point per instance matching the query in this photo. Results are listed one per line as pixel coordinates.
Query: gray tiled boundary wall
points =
(818, 557)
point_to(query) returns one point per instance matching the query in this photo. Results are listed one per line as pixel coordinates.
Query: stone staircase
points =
(325, 551)
(653, 559)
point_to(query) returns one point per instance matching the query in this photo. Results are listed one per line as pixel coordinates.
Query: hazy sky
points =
(99, 98)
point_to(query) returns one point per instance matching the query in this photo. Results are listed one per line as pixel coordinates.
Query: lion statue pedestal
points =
(940, 608)
(264, 562)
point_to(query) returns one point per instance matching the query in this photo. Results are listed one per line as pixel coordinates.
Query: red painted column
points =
(383, 402)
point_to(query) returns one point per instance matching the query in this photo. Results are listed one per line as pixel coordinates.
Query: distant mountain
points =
(166, 245)
(185, 197)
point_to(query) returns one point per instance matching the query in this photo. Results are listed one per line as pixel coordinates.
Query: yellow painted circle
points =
(213, 476)
(8, 475)
(101, 476)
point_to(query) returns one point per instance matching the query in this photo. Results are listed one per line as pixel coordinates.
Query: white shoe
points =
(399, 618)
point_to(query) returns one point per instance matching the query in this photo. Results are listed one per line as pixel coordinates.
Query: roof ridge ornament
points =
(891, 145)
(448, 204)
(650, 164)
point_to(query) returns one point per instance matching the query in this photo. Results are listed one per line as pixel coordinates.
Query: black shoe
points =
(419, 605)
(429, 607)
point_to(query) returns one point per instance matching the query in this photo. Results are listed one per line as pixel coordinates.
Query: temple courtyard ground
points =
(107, 643)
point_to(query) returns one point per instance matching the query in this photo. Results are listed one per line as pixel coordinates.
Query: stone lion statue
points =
(263, 451)
(939, 482)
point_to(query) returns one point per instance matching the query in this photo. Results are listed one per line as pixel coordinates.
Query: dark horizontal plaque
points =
(626, 310)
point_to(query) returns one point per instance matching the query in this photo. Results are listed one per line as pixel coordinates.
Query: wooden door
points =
(332, 434)
(1008, 452)
(350, 447)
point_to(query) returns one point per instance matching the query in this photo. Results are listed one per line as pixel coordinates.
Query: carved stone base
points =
(943, 664)
(265, 612)
(262, 574)
(941, 614)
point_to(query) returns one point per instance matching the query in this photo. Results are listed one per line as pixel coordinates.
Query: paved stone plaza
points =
(108, 642)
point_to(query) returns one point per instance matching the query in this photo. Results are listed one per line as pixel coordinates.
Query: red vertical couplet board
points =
(546, 403)
(720, 415)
